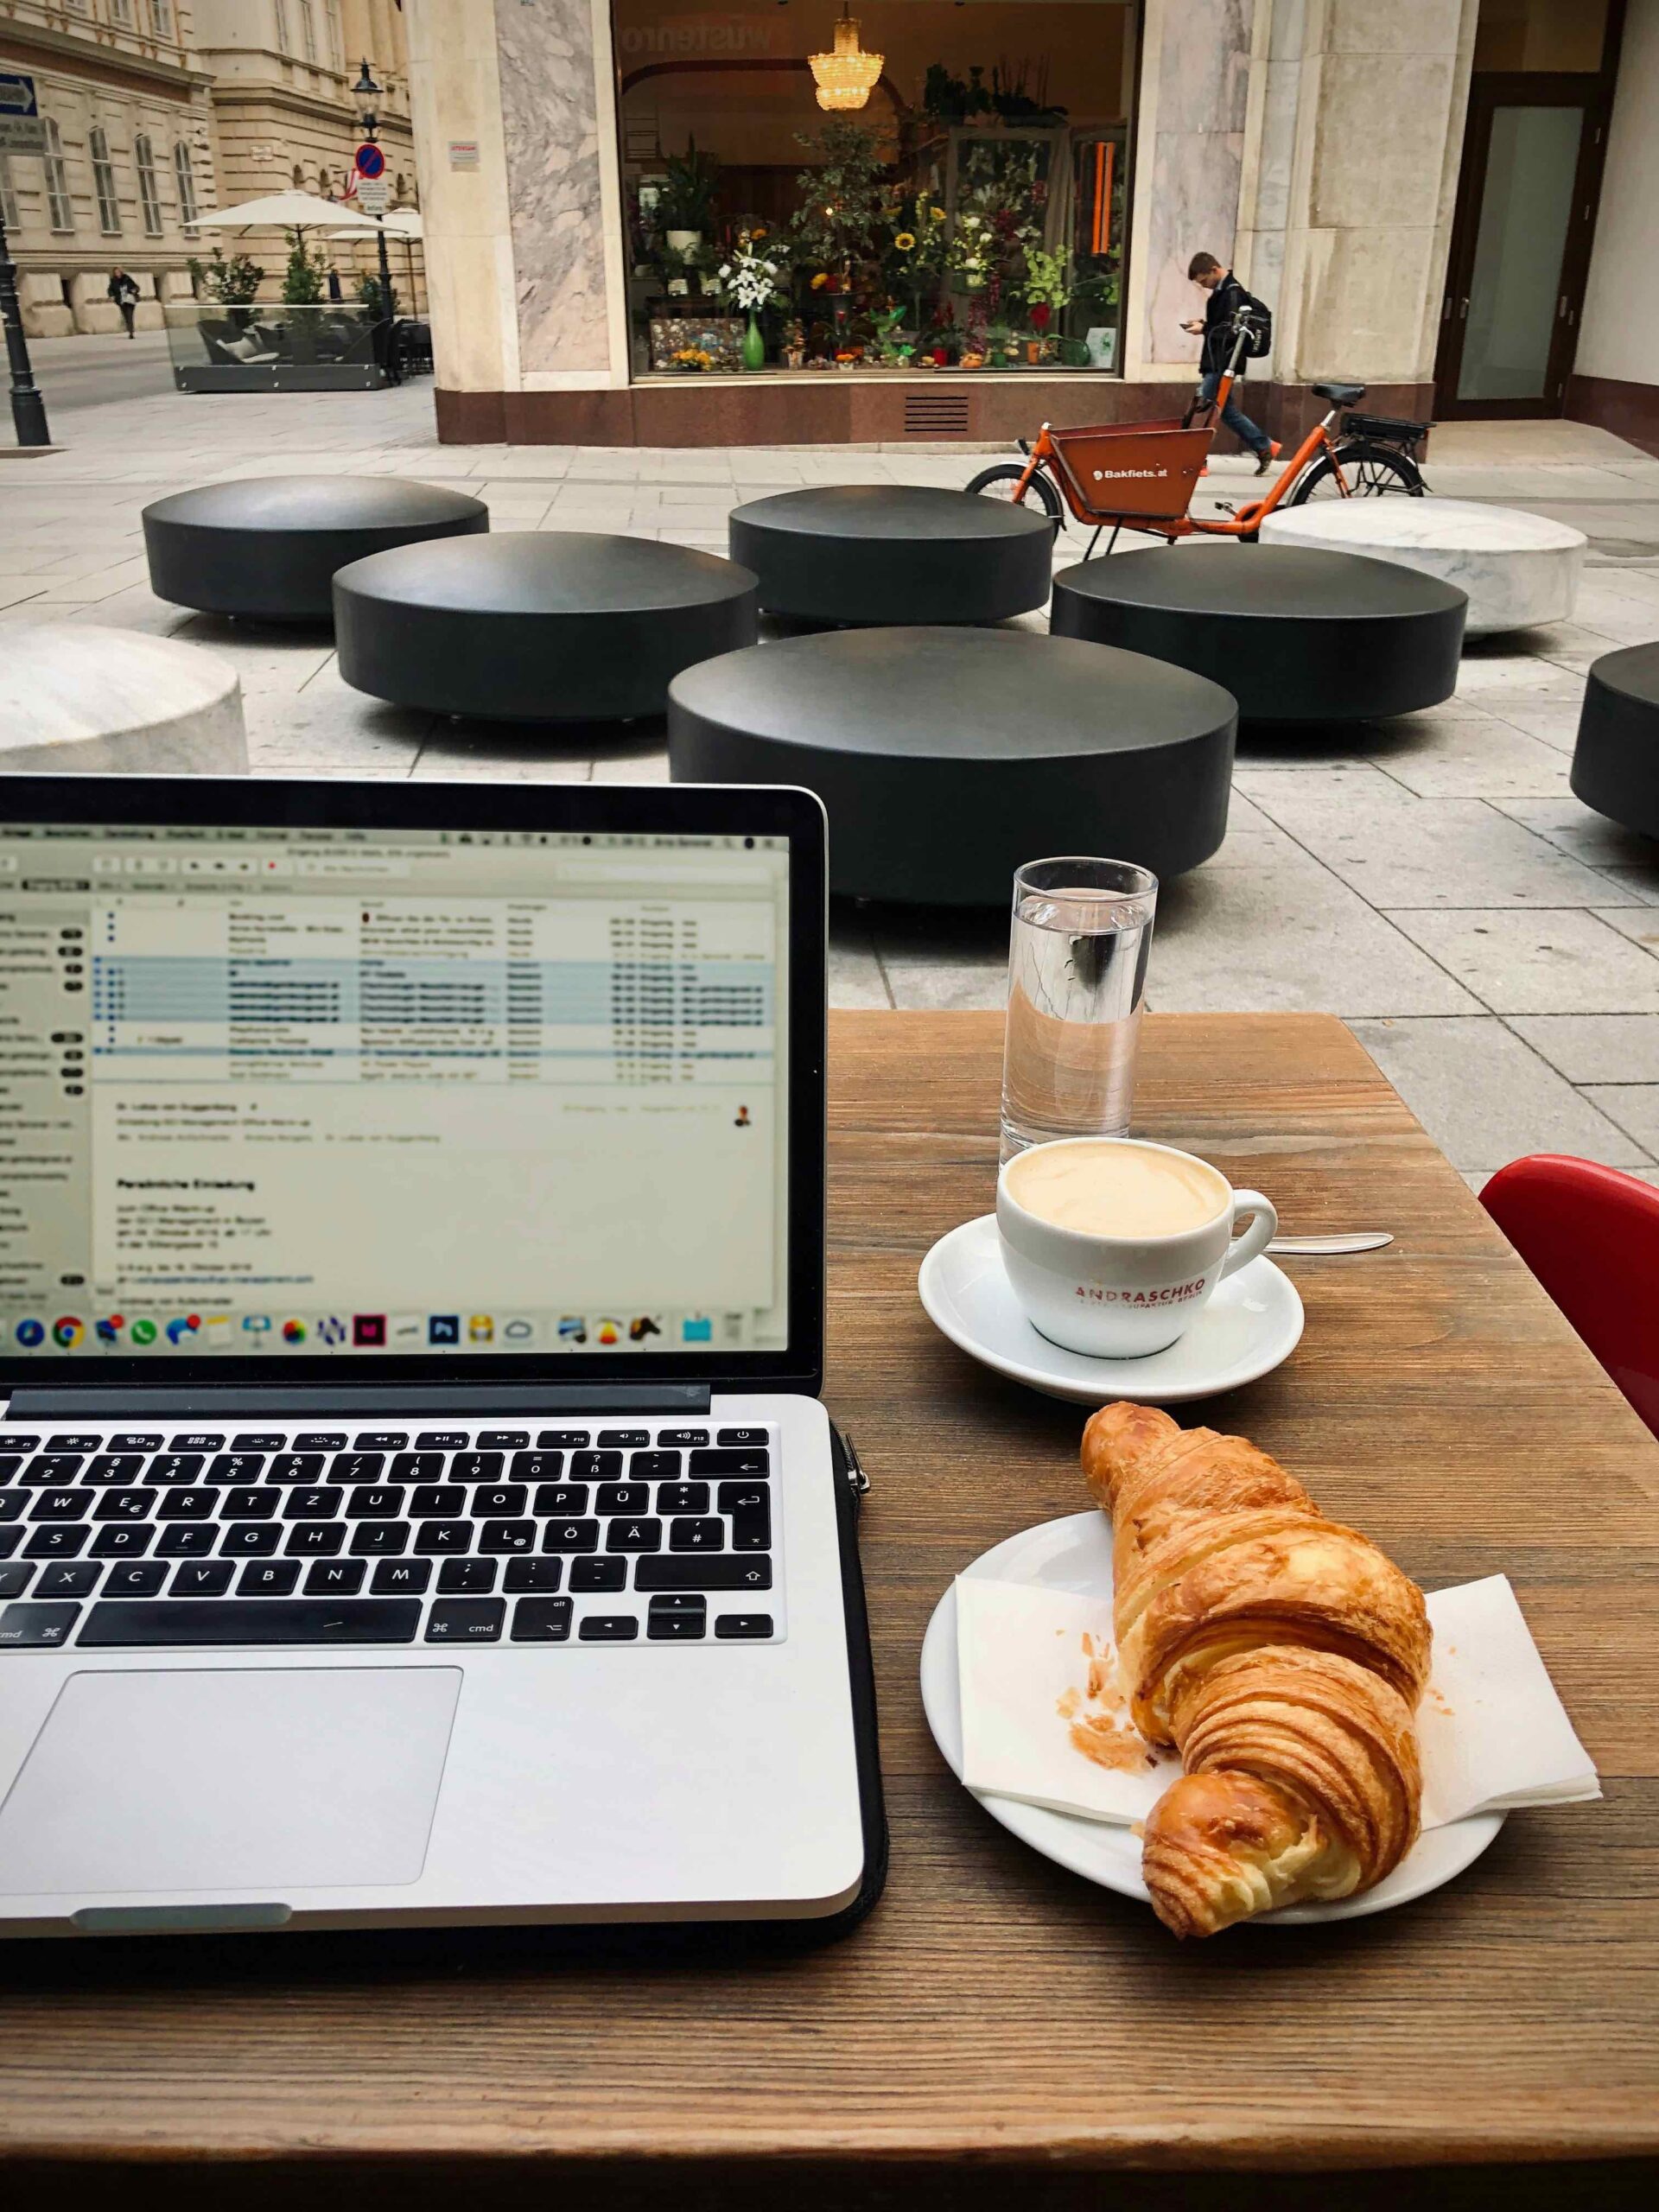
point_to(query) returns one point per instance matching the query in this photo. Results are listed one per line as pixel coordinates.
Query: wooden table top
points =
(995, 2008)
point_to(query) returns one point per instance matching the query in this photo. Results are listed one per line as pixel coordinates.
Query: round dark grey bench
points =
(1297, 635)
(946, 757)
(267, 547)
(1615, 760)
(877, 553)
(553, 625)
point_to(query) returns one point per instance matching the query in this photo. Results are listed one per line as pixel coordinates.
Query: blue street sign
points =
(371, 162)
(22, 130)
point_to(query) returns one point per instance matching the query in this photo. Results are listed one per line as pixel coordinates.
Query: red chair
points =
(1590, 1235)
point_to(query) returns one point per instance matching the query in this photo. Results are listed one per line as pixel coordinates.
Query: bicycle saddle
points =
(1340, 395)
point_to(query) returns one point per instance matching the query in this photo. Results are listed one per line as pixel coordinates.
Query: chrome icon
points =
(68, 1331)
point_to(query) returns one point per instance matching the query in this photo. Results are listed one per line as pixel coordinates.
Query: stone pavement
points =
(1430, 878)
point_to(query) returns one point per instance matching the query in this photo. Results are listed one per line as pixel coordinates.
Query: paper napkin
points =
(1042, 1718)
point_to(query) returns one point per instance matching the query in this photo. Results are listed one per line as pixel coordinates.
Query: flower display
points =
(693, 358)
(750, 279)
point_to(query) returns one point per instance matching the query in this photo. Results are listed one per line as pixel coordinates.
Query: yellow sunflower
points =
(938, 214)
(820, 280)
(905, 241)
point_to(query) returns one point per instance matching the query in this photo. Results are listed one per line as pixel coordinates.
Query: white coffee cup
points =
(1122, 1294)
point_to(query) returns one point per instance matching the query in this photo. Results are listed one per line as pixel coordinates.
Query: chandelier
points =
(845, 77)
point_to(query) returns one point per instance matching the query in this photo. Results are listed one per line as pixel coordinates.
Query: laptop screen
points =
(360, 1092)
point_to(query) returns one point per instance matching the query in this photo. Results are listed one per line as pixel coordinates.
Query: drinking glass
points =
(1077, 951)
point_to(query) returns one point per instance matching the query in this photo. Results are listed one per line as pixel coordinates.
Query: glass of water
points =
(1077, 955)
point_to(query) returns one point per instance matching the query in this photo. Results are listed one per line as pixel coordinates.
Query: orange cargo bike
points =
(1142, 476)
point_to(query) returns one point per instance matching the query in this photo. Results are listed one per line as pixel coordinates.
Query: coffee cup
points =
(1114, 1246)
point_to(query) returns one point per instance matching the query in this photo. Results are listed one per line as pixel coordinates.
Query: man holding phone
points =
(1227, 296)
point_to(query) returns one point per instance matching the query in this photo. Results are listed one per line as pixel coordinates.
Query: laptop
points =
(416, 1506)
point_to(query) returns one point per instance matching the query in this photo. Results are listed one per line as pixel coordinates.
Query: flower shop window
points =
(931, 185)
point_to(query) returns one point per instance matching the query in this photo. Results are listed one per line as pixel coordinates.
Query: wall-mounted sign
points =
(463, 153)
(22, 127)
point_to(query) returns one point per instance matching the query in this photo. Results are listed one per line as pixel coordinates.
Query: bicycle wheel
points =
(1370, 471)
(998, 483)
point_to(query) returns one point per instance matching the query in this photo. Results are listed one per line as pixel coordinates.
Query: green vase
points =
(754, 346)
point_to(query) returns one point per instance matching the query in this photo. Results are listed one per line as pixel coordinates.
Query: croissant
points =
(1283, 1654)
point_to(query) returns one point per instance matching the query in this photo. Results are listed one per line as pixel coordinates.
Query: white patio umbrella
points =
(288, 211)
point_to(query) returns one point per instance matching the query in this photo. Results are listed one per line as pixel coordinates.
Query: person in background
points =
(123, 290)
(1226, 297)
(335, 292)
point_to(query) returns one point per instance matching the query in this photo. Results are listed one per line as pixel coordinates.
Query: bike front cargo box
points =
(1128, 471)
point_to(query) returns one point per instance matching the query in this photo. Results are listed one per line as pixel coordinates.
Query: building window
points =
(185, 178)
(161, 16)
(150, 199)
(57, 180)
(280, 12)
(121, 14)
(8, 211)
(307, 31)
(108, 210)
(336, 37)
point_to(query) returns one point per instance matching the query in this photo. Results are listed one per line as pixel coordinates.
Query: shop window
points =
(184, 176)
(150, 199)
(9, 215)
(59, 204)
(109, 208)
(949, 191)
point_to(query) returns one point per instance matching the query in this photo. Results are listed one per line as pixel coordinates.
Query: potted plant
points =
(685, 201)
(1047, 290)
(999, 345)
(751, 282)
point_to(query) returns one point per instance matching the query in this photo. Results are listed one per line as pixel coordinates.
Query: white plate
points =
(1076, 1554)
(1252, 1324)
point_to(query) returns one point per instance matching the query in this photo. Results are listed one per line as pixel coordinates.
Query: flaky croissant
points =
(1281, 1654)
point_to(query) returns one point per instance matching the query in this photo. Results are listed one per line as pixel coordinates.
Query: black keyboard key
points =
(438, 1501)
(683, 1497)
(250, 1539)
(562, 1440)
(634, 1536)
(681, 1601)
(29, 1627)
(260, 1440)
(625, 1437)
(368, 1503)
(249, 1504)
(315, 1539)
(475, 1466)
(397, 1578)
(74, 1443)
(322, 1504)
(499, 1501)
(201, 1577)
(138, 1579)
(442, 1439)
(334, 1578)
(124, 1505)
(174, 1467)
(417, 1467)
(9, 1539)
(742, 1628)
(296, 1467)
(236, 1467)
(745, 1497)
(199, 1441)
(741, 1436)
(114, 1467)
(570, 1536)
(51, 1467)
(698, 1536)
(127, 1541)
(271, 1620)
(676, 1628)
(623, 1498)
(11, 1441)
(562, 1498)
(268, 1578)
(358, 1467)
(751, 1532)
(188, 1505)
(381, 1440)
(537, 1466)
(319, 1439)
(438, 1536)
(748, 1461)
(683, 1436)
(502, 1439)
(187, 1539)
(58, 1540)
(609, 1628)
(129, 1441)
(467, 1578)
(14, 1574)
(14, 1504)
(538, 1574)
(466, 1620)
(10, 1463)
(379, 1539)
(60, 1505)
(728, 1571)
(595, 1466)
(653, 1466)
(542, 1620)
(590, 1574)
(503, 1537)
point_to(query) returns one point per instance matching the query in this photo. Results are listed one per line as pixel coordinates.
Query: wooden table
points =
(1000, 2031)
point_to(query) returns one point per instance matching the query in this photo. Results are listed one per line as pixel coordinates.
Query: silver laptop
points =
(415, 1503)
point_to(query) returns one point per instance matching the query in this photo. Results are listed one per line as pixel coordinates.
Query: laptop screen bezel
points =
(679, 810)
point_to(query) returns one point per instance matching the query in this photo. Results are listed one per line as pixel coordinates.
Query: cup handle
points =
(1256, 1237)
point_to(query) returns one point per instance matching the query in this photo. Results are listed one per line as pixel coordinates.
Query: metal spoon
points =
(1358, 1240)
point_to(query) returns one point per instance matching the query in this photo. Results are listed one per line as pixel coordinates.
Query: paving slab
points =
(1595, 1047)
(1564, 961)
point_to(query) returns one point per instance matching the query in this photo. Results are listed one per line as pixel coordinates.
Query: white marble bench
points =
(76, 699)
(1519, 570)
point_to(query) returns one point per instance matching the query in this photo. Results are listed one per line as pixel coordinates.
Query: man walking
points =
(123, 290)
(1227, 296)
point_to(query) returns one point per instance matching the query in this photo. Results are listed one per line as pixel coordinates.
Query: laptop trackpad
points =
(232, 1779)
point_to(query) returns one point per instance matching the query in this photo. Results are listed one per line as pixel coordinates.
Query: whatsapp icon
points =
(143, 1332)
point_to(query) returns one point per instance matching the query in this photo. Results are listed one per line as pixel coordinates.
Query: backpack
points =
(1260, 341)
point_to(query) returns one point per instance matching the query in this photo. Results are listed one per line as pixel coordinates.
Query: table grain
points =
(999, 2030)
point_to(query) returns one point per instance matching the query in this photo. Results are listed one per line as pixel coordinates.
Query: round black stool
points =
(552, 625)
(947, 757)
(1296, 633)
(1615, 760)
(268, 546)
(876, 553)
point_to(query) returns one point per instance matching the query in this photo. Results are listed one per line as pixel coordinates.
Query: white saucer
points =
(1075, 1554)
(1251, 1325)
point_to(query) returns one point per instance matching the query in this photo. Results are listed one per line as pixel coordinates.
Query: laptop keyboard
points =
(587, 1533)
